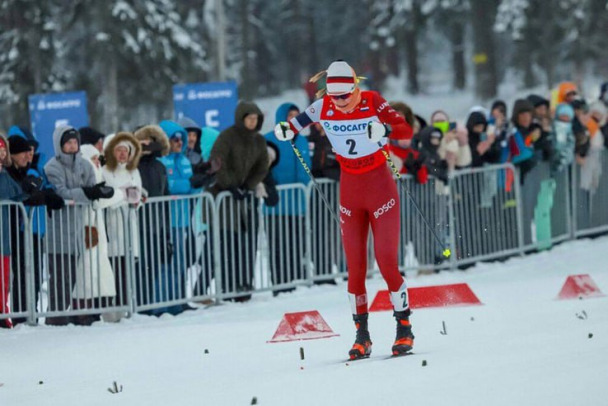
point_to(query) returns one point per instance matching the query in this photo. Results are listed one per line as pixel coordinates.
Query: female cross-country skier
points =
(357, 124)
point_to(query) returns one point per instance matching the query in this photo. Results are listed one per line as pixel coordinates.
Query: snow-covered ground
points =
(522, 347)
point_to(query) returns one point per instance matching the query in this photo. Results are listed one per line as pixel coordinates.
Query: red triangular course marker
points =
(307, 325)
(577, 286)
(458, 294)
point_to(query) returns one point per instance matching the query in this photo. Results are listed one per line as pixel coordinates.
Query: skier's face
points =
(342, 101)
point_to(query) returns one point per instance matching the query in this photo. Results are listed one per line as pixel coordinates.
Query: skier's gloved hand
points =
(376, 131)
(283, 132)
(239, 193)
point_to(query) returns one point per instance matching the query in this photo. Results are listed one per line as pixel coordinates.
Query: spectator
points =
(542, 119)
(95, 284)
(591, 169)
(179, 173)
(74, 179)
(581, 130)
(154, 230)
(400, 149)
(454, 146)
(517, 151)
(563, 139)
(567, 92)
(193, 147)
(483, 147)
(286, 221)
(90, 136)
(122, 153)
(240, 152)
(40, 194)
(9, 190)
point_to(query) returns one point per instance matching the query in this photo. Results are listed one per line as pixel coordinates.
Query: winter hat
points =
(89, 135)
(24, 132)
(18, 144)
(69, 135)
(564, 109)
(521, 106)
(537, 100)
(341, 78)
(126, 144)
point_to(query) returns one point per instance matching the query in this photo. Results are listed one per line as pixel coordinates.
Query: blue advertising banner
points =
(47, 111)
(209, 104)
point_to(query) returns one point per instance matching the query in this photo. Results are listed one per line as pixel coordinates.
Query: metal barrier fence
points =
(85, 262)
(590, 196)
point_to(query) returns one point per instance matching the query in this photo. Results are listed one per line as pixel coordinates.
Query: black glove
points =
(99, 191)
(31, 184)
(411, 164)
(36, 198)
(239, 193)
(52, 200)
(202, 180)
(201, 167)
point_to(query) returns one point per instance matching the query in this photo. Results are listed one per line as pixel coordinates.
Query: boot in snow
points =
(404, 340)
(362, 348)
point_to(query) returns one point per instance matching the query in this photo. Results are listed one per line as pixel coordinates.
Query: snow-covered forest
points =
(127, 54)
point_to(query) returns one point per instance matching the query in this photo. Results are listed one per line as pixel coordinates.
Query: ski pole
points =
(445, 250)
(314, 182)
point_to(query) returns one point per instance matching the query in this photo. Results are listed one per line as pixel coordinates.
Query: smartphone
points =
(452, 126)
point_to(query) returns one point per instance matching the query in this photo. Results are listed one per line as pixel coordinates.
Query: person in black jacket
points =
(154, 225)
(484, 149)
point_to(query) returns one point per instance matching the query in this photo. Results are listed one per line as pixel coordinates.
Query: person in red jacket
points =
(357, 123)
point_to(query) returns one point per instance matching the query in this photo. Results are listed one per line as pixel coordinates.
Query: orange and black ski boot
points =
(362, 348)
(404, 340)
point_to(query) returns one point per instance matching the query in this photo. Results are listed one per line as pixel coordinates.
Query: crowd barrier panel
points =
(174, 261)
(484, 214)
(590, 197)
(327, 259)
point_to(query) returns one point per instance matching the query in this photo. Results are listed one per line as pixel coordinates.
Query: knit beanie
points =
(341, 78)
(70, 134)
(18, 144)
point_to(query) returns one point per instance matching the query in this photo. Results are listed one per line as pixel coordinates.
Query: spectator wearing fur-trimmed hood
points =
(155, 144)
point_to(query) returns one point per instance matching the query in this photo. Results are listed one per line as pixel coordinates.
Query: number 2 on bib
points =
(351, 143)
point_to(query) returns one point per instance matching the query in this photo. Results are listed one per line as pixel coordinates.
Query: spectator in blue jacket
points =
(179, 172)
(286, 224)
